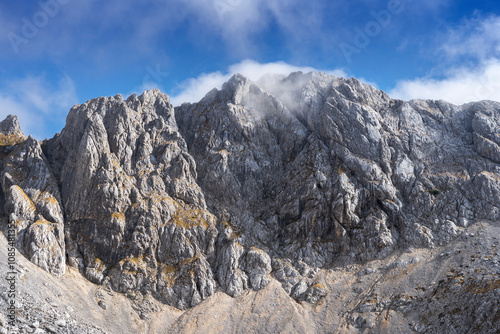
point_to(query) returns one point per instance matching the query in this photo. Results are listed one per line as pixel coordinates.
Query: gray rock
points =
(33, 204)
(134, 211)
(51, 329)
(299, 289)
(258, 268)
(313, 158)
(315, 292)
(102, 304)
(310, 170)
(10, 132)
(230, 275)
(485, 125)
(60, 323)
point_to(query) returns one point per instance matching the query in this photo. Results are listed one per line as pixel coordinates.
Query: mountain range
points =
(332, 205)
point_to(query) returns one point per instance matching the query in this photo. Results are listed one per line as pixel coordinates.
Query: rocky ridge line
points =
(265, 179)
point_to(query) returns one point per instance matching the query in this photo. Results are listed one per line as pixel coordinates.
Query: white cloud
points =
(471, 54)
(237, 21)
(142, 25)
(462, 85)
(40, 106)
(477, 38)
(194, 89)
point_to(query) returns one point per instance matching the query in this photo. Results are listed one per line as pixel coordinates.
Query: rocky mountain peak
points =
(151, 96)
(275, 179)
(236, 89)
(10, 131)
(10, 125)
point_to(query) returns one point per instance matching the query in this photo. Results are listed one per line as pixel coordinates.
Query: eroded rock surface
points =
(135, 216)
(320, 169)
(32, 201)
(256, 181)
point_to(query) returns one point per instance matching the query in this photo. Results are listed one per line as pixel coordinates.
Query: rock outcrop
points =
(10, 131)
(317, 168)
(257, 180)
(32, 200)
(135, 217)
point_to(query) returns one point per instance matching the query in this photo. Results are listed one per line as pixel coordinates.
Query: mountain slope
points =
(258, 183)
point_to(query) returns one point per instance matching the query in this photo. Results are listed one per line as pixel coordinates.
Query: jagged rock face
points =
(33, 204)
(264, 179)
(485, 125)
(10, 131)
(135, 216)
(315, 167)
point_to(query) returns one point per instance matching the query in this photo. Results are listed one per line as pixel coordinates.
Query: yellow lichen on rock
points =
(12, 139)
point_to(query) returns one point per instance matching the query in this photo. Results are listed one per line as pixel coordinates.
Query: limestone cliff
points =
(276, 179)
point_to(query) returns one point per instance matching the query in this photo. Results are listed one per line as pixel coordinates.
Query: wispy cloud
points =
(471, 55)
(40, 106)
(143, 26)
(192, 90)
(478, 38)
(238, 22)
(461, 85)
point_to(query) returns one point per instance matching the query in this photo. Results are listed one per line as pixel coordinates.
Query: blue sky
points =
(57, 53)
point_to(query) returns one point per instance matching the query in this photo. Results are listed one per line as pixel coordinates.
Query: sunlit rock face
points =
(316, 168)
(258, 180)
(31, 197)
